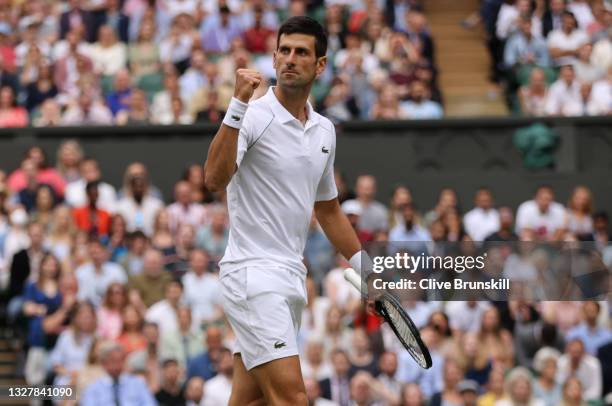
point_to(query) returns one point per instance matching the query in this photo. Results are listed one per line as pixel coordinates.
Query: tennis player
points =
(275, 155)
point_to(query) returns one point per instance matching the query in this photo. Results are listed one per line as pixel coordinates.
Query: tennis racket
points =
(399, 321)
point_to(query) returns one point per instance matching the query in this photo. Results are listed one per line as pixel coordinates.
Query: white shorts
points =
(264, 307)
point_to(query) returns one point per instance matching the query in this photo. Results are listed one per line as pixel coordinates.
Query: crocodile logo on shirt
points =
(235, 118)
(324, 150)
(279, 344)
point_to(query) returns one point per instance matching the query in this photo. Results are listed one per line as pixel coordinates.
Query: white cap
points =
(352, 207)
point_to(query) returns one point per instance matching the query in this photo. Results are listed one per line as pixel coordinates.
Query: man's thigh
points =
(281, 382)
(245, 390)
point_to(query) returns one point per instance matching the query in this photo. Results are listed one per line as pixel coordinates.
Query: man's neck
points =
(294, 101)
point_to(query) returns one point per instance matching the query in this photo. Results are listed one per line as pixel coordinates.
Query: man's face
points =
(113, 364)
(525, 27)
(484, 200)
(556, 6)
(567, 23)
(152, 264)
(543, 199)
(341, 364)
(295, 61)
(90, 171)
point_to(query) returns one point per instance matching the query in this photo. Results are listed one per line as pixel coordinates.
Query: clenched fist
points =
(247, 81)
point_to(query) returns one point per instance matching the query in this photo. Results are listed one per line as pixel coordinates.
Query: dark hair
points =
(93, 185)
(567, 13)
(308, 26)
(601, 215)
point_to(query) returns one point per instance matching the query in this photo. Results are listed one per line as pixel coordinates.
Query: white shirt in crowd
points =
(76, 196)
(582, 12)
(563, 99)
(600, 102)
(466, 316)
(163, 314)
(529, 216)
(140, 217)
(559, 39)
(194, 214)
(480, 223)
(589, 373)
(507, 22)
(93, 285)
(201, 293)
(217, 391)
(283, 168)
(108, 61)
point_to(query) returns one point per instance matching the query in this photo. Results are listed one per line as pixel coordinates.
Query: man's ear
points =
(274, 59)
(321, 64)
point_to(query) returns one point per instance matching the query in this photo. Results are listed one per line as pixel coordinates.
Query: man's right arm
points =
(221, 162)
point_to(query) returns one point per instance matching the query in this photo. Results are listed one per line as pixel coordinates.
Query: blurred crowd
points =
(114, 289)
(99, 62)
(554, 57)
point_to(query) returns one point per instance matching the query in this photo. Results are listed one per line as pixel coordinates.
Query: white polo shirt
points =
(283, 168)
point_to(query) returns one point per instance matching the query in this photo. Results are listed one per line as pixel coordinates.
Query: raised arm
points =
(221, 162)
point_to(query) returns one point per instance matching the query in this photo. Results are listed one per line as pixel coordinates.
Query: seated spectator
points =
(108, 55)
(50, 115)
(162, 100)
(218, 30)
(546, 387)
(579, 212)
(77, 18)
(152, 282)
(93, 370)
(90, 218)
(409, 235)
(585, 70)
(469, 390)
(204, 364)
(7, 77)
(45, 201)
(340, 104)
(387, 105)
(600, 100)
(446, 200)
(194, 391)
(73, 345)
(533, 96)
(64, 76)
(592, 335)
(213, 237)
(474, 358)
(195, 76)
(506, 227)
(337, 387)
(40, 298)
(184, 210)
(176, 47)
(483, 219)
(119, 98)
(164, 312)
(131, 337)
(525, 48)
(564, 97)
(61, 234)
(119, 22)
(98, 274)
(494, 389)
(218, 389)
(466, 316)
(202, 289)
(110, 313)
(87, 110)
(564, 43)
(256, 37)
(137, 112)
(212, 112)
(577, 363)
(420, 105)
(519, 388)
(177, 114)
(387, 365)
(11, 115)
(185, 343)
(147, 361)
(374, 214)
(542, 217)
(139, 206)
(496, 340)
(143, 54)
(76, 195)
(353, 211)
(313, 393)
(41, 89)
(117, 386)
(170, 391)
(133, 258)
(69, 156)
(582, 11)
(452, 375)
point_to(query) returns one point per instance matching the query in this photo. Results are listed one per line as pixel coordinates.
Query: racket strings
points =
(405, 332)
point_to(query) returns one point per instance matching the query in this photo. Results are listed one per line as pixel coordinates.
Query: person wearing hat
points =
(469, 392)
(353, 210)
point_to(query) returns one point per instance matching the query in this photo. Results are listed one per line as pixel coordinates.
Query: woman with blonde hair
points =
(572, 393)
(131, 338)
(69, 157)
(497, 341)
(578, 220)
(61, 234)
(110, 322)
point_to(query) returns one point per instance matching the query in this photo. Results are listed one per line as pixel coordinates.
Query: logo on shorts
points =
(235, 118)
(324, 150)
(279, 344)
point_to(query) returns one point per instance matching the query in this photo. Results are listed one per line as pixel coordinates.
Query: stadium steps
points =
(8, 371)
(463, 61)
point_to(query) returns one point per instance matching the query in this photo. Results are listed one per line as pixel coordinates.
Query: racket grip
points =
(351, 276)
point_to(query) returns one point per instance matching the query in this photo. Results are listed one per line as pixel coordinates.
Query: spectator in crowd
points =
(204, 365)
(118, 386)
(152, 282)
(212, 112)
(170, 392)
(184, 343)
(131, 336)
(133, 259)
(109, 56)
(494, 389)
(90, 218)
(218, 389)
(546, 387)
(76, 195)
(147, 362)
(96, 275)
(409, 234)
(313, 393)
(506, 227)
(93, 370)
(50, 115)
(353, 211)
(138, 206)
(194, 391)
(541, 218)
(87, 110)
(374, 213)
(77, 18)
(218, 30)
(61, 234)
(184, 210)
(586, 71)
(576, 362)
(420, 105)
(256, 37)
(564, 97)
(534, 94)
(164, 313)
(524, 48)
(519, 388)
(579, 212)
(110, 312)
(337, 387)
(11, 115)
(41, 88)
(73, 345)
(589, 332)
(202, 289)
(483, 219)
(564, 43)
(387, 105)
(452, 376)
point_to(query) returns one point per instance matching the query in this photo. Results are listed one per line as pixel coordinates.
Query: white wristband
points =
(361, 263)
(235, 113)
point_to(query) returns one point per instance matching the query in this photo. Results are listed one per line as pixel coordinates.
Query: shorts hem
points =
(267, 358)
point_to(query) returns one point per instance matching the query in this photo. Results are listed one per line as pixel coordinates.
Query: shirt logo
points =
(279, 344)
(324, 150)
(235, 118)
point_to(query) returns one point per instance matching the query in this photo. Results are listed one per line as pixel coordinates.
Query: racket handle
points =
(351, 276)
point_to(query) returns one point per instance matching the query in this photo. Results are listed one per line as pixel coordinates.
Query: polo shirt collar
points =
(284, 115)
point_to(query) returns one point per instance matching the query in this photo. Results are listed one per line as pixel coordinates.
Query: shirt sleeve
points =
(245, 136)
(326, 190)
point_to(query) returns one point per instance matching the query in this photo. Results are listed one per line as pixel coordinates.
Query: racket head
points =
(403, 327)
